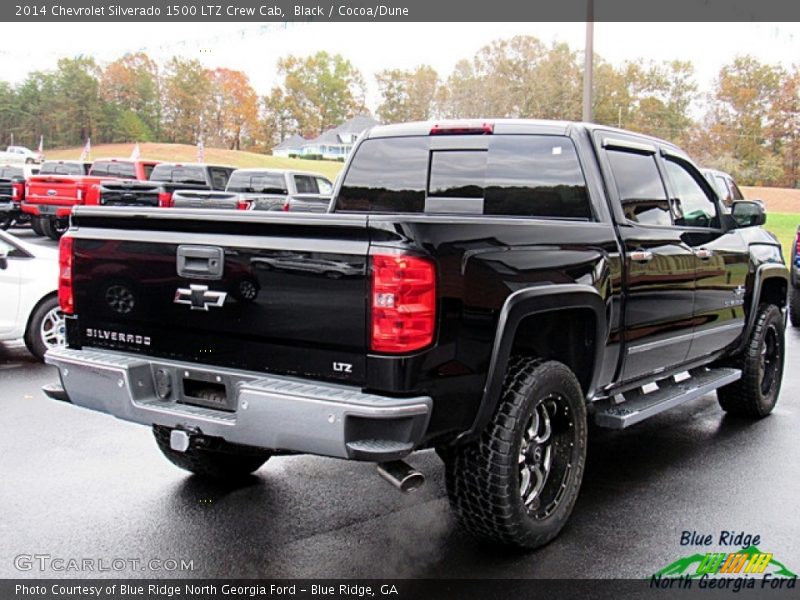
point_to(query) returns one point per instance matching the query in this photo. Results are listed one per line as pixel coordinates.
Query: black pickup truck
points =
(165, 179)
(482, 288)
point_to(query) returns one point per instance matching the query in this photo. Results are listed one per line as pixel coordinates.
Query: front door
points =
(721, 259)
(659, 264)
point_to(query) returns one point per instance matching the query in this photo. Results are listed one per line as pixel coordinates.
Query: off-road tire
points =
(36, 225)
(217, 459)
(484, 478)
(754, 395)
(794, 307)
(52, 230)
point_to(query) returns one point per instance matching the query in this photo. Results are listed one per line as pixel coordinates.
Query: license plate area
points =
(47, 209)
(207, 390)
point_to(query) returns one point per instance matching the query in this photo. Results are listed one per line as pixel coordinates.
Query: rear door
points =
(659, 265)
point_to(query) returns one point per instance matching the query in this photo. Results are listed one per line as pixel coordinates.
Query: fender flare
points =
(764, 272)
(524, 303)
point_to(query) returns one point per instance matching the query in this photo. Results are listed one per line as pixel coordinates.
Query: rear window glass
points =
(517, 175)
(178, 174)
(114, 169)
(11, 172)
(257, 183)
(57, 168)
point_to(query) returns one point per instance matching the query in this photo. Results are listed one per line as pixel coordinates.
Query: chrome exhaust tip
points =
(401, 475)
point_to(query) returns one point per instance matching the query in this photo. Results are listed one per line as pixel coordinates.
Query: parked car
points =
(724, 185)
(29, 306)
(50, 197)
(20, 155)
(166, 179)
(263, 189)
(794, 304)
(502, 282)
(12, 193)
(65, 167)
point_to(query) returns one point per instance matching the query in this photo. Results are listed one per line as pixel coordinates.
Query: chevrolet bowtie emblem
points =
(199, 297)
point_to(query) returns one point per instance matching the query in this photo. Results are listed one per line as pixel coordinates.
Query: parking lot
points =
(82, 485)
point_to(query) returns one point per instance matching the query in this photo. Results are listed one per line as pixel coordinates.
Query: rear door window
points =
(639, 187)
(515, 175)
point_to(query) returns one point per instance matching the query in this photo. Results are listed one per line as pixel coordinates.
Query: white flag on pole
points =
(136, 152)
(87, 149)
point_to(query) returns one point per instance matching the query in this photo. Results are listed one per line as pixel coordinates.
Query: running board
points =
(637, 405)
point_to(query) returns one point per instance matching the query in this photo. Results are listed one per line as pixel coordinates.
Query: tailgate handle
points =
(201, 262)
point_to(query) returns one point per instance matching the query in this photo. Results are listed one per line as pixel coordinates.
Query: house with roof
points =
(333, 144)
(291, 146)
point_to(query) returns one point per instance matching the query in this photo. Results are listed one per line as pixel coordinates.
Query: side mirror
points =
(749, 213)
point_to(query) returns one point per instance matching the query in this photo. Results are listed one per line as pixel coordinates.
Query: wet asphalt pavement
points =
(78, 484)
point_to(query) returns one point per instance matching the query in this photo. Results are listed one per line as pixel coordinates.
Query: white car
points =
(29, 306)
(21, 155)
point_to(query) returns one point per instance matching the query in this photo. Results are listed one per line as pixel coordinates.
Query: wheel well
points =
(773, 291)
(567, 336)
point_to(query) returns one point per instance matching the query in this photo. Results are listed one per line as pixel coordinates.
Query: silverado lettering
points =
(479, 287)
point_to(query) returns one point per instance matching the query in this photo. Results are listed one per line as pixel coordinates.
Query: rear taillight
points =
(403, 303)
(16, 191)
(285, 207)
(65, 264)
(243, 205)
(80, 194)
(164, 199)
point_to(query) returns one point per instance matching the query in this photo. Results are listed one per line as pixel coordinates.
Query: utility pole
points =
(588, 65)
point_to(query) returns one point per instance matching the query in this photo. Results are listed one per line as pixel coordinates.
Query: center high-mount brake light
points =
(66, 260)
(403, 306)
(463, 129)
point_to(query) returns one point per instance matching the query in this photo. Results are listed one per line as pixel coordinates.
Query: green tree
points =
(131, 83)
(739, 118)
(407, 95)
(321, 91)
(186, 92)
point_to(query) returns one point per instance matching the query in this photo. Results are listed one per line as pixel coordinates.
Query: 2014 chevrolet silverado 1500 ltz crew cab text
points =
(499, 283)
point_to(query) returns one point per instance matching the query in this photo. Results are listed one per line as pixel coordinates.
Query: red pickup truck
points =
(49, 198)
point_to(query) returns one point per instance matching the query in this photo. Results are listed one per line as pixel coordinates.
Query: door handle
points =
(704, 253)
(641, 256)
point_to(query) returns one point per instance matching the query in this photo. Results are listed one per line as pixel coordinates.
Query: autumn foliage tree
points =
(186, 93)
(321, 91)
(232, 112)
(408, 95)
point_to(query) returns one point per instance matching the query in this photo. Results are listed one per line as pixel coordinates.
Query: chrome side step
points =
(637, 405)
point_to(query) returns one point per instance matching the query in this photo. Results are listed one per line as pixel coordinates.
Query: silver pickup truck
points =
(263, 189)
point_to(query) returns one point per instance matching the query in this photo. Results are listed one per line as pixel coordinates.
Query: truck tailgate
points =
(269, 293)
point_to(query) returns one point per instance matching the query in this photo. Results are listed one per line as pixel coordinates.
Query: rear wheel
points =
(54, 227)
(5, 221)
(46, 328)
(517, 484)
(794, 307)
(212, 458)
(755, 394)
(36, 225)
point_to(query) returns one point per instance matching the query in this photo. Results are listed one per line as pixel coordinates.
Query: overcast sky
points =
(255, 48)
